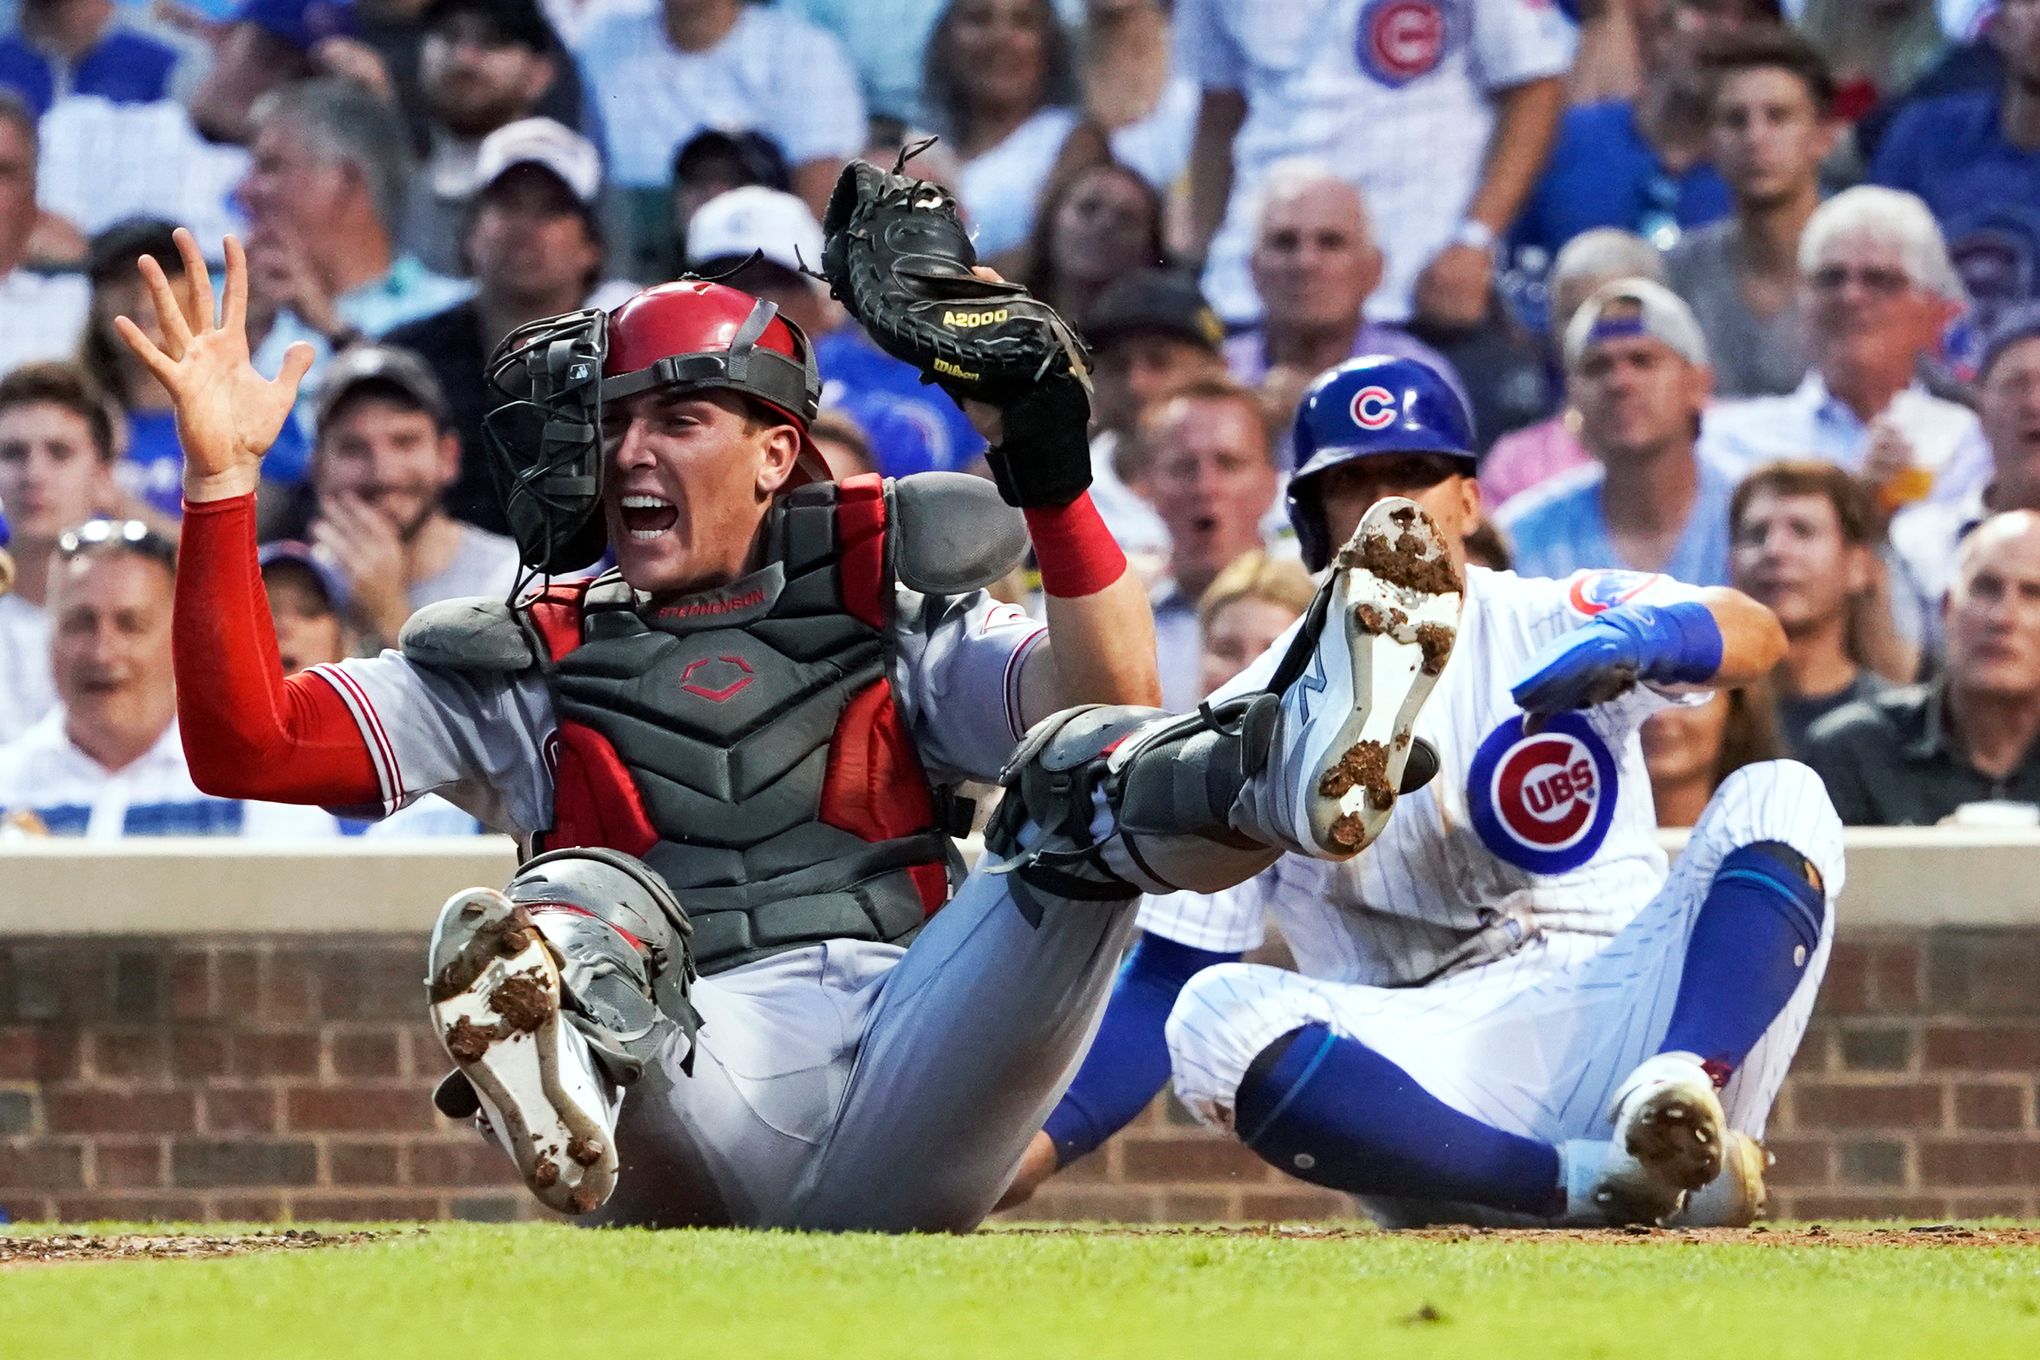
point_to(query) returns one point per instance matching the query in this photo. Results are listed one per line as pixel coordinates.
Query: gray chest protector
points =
(745, 743)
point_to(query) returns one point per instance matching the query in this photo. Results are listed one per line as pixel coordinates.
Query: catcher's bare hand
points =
(227, 414)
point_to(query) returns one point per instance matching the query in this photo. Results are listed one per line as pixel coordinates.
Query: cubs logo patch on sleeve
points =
(1403, 40)
(1543, 800)
(1596, 591)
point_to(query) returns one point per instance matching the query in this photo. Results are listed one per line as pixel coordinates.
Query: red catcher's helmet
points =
(694, 334)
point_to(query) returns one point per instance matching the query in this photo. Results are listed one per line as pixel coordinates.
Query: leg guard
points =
(622, 937)
(1104, 803)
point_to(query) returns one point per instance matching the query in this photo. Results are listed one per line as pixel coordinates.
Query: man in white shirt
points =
(1879, 294)
(661, 75)
(385, 454)
(42, 316)
(107, 762)
(56, 472)
(1440, 114)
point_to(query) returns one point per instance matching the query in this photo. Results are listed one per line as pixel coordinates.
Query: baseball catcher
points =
(739, 978)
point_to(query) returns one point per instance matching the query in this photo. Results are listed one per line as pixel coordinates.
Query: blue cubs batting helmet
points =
(1366, 408)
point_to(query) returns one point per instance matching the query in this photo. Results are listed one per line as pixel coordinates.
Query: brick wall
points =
(280, 1077)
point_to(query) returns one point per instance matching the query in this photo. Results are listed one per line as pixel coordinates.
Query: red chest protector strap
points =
(874, 786)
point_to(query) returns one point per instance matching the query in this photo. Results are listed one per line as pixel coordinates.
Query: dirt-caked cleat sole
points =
(1668, 1117)
(1395, 600)
(494, 992)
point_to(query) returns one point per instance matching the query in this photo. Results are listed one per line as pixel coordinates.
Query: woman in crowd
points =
(1690, 750)
(1245, 608)
(1000, 82)
(1100, 224)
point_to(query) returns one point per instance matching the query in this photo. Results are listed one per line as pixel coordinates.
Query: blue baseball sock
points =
(1750, 946)
(1338, 1114)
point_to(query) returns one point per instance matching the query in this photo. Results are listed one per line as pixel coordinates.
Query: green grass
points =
(506, 1293)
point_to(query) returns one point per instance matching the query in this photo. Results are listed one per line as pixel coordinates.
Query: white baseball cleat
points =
(1668, 1117)
(495, 999)
(1735, 1198)
(1380, 631)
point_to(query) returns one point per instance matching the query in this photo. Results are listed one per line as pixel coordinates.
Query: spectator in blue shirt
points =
(1975, 158)
(1638, 374)
(1641, 165)
(70, 47)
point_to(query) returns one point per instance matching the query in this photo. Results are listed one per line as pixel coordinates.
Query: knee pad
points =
(1129, 800)
(623, 938)
(1785, 879)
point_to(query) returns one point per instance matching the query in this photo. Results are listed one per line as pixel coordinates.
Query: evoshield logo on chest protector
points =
(1543, 800)
(716, 678)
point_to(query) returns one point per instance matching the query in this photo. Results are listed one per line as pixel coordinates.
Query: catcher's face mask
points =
(556, 376)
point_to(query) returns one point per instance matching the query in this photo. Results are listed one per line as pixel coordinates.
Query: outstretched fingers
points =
(198, 294)
(159, 364)
(297, 361)
(169, 308)
(234, 318)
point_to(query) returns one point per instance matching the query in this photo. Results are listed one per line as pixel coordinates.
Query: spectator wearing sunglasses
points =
(107, 761)
(56, 471)
(1879, 293)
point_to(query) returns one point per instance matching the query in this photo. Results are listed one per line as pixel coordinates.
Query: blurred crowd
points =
(1739, 291)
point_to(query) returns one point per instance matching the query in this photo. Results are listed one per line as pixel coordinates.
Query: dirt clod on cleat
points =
(545, 1173)
(1365, 766)
(523, 1001)
(585, 1200)
(1403, 563)
(467, 1041)
(491, 940)
(1436, 640)
(585, 1151)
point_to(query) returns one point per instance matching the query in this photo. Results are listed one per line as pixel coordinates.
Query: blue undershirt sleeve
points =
(1129, 1060)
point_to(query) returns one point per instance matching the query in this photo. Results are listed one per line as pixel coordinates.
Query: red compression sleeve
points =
(1075, 551)
(248, 731)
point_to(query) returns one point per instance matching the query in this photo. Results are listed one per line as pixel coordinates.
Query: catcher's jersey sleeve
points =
(958, 680)
(479, 741)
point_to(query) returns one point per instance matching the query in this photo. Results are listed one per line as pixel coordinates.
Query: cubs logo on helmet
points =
(1596, 591)
(1402, 40)
(1543, 800)
(1374, 408)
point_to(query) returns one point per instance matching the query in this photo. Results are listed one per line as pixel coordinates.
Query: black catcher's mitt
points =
(896, 254)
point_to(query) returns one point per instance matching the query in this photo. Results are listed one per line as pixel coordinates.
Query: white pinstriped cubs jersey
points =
(1551, 832)
(485, 742)
(1396, 96)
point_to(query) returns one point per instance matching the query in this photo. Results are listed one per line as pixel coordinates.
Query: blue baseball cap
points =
(330, 581)
(303, 24)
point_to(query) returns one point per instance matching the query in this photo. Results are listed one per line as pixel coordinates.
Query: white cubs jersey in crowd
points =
(487, 743)
(1549, 832)
(1396, 95)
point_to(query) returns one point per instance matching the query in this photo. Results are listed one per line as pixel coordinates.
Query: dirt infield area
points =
(62, 1248)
